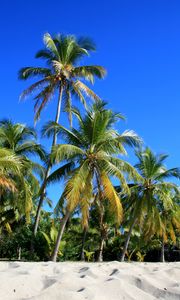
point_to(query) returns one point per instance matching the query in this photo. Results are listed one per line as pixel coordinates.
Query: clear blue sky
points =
(137, 41)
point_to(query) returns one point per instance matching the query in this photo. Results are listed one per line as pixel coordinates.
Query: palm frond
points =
(174, 172)
(111, 195)
(42, 99)
(34, 87)
(31, 72)
(129, 138)
(65, 151)
(50, 44)
(86, 43)
(85, 89)
(60, 173)
(85, 201)
(88, 72)
(31, 147)
(76, 185)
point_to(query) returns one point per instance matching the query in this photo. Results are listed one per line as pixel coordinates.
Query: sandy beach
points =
(91, 281)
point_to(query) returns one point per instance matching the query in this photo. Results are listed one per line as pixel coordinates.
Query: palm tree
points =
(10, 171)
(93, 148)
(144, 196)
(64, 75)
(21, 140)
(166, 220)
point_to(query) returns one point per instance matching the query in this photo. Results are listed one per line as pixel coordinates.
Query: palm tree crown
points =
(153, 170)
(20, 138)
(93, 147)
(62, 55)
(150, 197)
(155, 193)
(21, 141)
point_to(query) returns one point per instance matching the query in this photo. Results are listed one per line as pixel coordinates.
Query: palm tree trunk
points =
(103, 233)
(83, 243)
(101, 212)
(19, 253)
(100, 254)
(43, 187)
(58, 111)
(59, 237)
(162, 259)
(38, 212)
(127, 241)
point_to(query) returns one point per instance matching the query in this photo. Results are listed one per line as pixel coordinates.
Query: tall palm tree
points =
(63, 75)
(93, 147)
(144, 196)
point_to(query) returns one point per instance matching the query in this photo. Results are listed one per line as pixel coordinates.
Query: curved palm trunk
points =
(83, 244)
(59, 237)
(101, 212)
(127, 241)
(38, 212)
(162, 259)
(43, 187)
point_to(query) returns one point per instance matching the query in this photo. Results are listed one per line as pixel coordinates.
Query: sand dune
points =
(96, 281)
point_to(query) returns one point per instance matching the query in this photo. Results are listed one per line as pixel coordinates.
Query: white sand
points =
(97, 281)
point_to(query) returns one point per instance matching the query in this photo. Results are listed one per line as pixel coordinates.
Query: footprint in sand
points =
(110, 279)
(87, 272)
(47, 282)
(56, 271)
(13, 265)
(155, 269)
(115, 271)
(23, 273)
(81, 290)
(83, 269)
